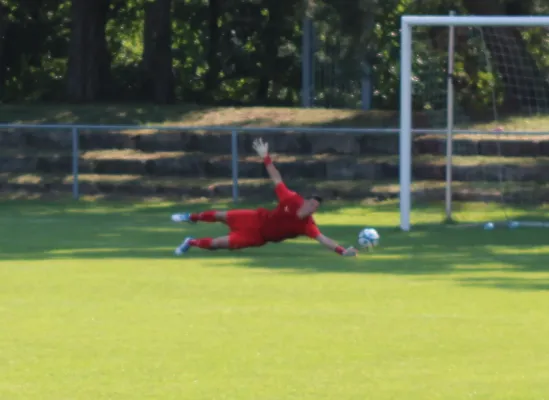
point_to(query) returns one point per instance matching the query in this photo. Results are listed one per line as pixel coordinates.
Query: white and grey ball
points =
(368, 238)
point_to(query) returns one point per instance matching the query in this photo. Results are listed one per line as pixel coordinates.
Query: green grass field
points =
(94, 306)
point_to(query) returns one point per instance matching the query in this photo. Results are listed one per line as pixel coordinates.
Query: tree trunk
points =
(3, 29)
(157, 51)
(214, 64)
(525, 85)
(89, 60)
(270, 40)
(262, 92)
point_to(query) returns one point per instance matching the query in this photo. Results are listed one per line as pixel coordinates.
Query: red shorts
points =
(244, 228)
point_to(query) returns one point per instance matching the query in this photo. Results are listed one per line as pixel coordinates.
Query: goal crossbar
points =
(406, 131)
(451, 20)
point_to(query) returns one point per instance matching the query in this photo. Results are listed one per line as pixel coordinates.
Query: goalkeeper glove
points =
(261, 148)
(348, 252)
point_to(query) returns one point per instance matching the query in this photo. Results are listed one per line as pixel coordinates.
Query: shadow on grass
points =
(506, 259)
(115, 114)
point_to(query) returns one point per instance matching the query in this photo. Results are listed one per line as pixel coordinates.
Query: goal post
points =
(409, 23)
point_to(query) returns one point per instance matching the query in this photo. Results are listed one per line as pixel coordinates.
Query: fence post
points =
(307, 62)
(366, 89)
(75, 157)
(234, 153)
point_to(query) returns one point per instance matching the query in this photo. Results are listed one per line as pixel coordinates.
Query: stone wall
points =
(183, 163)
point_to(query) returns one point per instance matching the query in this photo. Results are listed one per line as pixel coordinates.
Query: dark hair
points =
(316, 197)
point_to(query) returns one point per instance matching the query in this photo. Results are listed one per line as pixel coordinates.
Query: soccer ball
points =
(368, 238)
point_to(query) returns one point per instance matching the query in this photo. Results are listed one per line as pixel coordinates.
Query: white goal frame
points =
(406, 129)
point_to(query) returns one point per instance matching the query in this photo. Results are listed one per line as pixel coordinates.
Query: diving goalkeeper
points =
(253, 228)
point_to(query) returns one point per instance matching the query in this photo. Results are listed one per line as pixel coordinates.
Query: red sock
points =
(206, 216)
(205, 243)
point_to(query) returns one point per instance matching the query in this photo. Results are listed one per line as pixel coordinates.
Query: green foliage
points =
(249, 51)
(35, 49)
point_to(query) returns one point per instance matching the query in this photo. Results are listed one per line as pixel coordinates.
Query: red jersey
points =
(282, 222)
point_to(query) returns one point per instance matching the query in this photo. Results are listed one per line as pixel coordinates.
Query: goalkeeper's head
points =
(311, 204)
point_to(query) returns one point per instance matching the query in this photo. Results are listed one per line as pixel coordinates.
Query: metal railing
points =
(234, 131)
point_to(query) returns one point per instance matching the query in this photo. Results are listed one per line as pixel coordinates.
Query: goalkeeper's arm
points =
(262, 150)
(332, 245)
(271, 170)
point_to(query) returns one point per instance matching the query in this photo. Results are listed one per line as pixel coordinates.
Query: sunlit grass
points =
(193, 115)
(187, 114)
(533, 123)
(94, 306)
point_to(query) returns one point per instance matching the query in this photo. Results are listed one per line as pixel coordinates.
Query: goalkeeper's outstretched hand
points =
(350, 252)
(261, 148)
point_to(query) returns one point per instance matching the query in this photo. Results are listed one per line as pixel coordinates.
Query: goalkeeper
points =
(252, 228)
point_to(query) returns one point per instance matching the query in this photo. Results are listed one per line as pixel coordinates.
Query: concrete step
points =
(181, 188)
(137, 185)
(330, 167)
(489, 144)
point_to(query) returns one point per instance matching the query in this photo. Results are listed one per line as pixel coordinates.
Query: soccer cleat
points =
(183, 217)
(183, 247)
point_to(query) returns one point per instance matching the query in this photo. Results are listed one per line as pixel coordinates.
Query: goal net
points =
(475, 121)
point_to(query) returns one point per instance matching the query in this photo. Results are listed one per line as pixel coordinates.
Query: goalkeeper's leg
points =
(234, 218)
(243, 224)
(203, 243)
(204, 216)
(234, 241)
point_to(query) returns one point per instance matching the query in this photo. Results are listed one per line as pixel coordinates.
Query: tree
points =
(88, 74)
(276, 66)
(157, 51)
(345, 48)
(520, 73)
(211, 80)
(3, 29)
